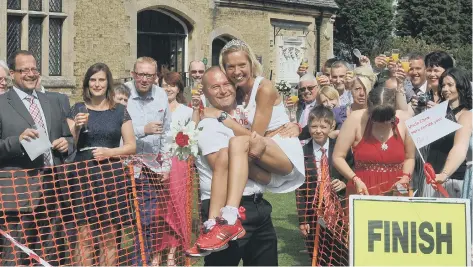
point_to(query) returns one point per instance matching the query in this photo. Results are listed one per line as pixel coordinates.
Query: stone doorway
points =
(162, 36)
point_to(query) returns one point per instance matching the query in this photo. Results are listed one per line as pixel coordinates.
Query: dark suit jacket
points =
(14, 119)
(306, 192)
(66, 108)
(300, 108)
(64, 100)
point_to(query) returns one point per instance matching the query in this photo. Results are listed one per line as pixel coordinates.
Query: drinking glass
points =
(388, 56)
(84, 110)
(405, 64)
(294, 99)
(395, 54)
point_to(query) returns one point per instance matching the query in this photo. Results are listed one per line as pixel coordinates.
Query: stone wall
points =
(105, 31)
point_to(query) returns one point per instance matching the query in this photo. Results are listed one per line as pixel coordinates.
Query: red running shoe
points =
(195, 250)
(221, 234)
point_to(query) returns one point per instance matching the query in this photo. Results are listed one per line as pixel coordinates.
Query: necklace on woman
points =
(384, 146)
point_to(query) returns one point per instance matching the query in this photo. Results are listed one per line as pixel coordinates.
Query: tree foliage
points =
(465, 22)
(435, 22)
(366, 25)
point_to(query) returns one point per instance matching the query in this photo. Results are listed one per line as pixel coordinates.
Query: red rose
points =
(182, 139)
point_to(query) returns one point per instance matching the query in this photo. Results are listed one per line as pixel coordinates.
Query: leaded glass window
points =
(35, 5)
(55, 5)
(34, 39)
(13, 34)
(14, 4)
(55, 42)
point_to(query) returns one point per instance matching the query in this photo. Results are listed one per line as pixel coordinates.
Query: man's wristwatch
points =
(223, 116)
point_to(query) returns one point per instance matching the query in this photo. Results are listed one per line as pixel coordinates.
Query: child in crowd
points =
(317, 153)
(122, 93)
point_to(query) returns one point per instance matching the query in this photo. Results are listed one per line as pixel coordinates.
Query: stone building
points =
(67, 36)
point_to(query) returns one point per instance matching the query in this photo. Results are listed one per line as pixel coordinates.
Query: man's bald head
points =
(210, 72)
(196, 70)
(220, 92)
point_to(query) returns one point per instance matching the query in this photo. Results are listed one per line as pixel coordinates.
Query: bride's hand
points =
(210, 112)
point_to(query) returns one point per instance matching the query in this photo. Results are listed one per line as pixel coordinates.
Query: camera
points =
(422, 100)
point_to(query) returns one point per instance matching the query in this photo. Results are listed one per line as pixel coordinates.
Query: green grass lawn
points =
(286, 223)
(290, 241)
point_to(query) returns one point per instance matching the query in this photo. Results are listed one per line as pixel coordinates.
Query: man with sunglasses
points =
(196, 72)
(308, 89)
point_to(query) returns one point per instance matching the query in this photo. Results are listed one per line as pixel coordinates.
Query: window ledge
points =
(58, 82)
(16, 12)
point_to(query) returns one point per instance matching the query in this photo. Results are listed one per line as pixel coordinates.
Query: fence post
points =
(189, 187)
(131, 173)
(320, 189)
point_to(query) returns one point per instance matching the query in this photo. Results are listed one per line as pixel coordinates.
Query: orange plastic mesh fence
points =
(108, 212)
(122, 212)
(324, 212)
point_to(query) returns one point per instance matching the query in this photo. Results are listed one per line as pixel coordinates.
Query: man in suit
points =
(26, 205)
(317, 151)
(308, 89)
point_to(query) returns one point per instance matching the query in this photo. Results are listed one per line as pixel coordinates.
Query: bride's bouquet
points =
(184, 139)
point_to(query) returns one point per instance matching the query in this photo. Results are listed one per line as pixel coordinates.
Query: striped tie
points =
(38, 119)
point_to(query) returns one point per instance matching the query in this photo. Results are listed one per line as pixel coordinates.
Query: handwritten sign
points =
(430, 125)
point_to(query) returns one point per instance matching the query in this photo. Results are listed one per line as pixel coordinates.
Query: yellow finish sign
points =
(395, 231)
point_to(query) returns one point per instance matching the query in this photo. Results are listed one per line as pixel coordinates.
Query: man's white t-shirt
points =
(213, 137)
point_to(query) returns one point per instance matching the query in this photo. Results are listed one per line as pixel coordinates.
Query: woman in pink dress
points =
(173, 229)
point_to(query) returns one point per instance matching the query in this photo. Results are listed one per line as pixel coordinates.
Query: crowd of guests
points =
(349, 118)
(373, 152)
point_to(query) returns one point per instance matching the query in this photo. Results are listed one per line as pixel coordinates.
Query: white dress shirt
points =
(143, 110)
(24, 98)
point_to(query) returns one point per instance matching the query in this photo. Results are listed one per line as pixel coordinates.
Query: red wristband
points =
(300, 127)
(407, 174)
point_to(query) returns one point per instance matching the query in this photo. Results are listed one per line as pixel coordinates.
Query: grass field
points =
(290, 242)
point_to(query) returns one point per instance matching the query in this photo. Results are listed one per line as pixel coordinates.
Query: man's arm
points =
(9, 146)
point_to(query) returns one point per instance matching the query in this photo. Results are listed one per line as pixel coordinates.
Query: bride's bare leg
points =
(218, 191)
(272, 160)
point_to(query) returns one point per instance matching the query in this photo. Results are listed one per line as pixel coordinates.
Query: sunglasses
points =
(310, 88)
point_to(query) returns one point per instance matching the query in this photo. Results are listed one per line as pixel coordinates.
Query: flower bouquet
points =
(284, 88)
(183, 139)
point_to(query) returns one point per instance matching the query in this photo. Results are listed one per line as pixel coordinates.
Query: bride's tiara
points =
(234, 43)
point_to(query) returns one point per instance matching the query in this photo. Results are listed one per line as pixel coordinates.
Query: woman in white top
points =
(257, 150)
(174, 229)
